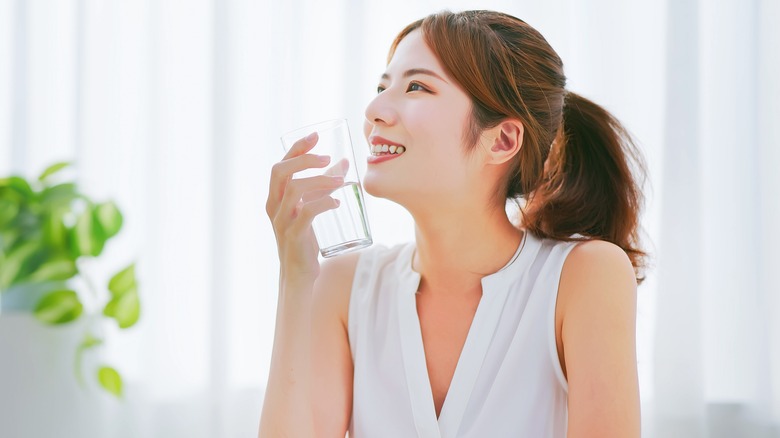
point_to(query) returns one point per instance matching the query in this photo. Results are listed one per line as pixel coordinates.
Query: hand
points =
(292, 205)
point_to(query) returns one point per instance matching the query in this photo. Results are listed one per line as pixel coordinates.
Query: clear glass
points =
(344, 228)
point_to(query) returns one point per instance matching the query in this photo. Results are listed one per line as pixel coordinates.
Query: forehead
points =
(414, 52)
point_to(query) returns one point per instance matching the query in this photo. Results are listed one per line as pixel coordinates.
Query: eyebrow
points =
(416, 71)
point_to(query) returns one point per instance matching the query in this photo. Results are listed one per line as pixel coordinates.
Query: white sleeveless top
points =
(508, 381)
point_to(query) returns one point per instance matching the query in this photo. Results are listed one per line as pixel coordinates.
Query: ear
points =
(503, 141)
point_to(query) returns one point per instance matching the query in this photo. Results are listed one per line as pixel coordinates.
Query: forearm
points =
(287, 405)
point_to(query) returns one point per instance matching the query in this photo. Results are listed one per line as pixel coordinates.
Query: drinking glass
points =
(344, 228)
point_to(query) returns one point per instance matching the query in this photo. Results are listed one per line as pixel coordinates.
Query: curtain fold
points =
(715, 358)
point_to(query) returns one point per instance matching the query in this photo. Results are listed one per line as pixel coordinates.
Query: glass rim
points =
(296, 134)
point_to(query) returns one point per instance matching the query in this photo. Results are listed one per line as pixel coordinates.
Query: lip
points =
(375, 139)
(381, 159)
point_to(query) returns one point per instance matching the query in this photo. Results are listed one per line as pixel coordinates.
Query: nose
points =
(380, 110)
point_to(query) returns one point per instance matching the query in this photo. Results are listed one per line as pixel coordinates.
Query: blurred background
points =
(174, 109)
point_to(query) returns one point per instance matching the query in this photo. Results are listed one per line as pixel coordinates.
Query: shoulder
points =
(333, 287)
(594, 273)
(334, 269)
(340, 270)
(597, 303)
(592, 257)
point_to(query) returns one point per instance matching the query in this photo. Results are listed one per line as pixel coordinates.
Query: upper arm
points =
(599, 341)
(332, 370)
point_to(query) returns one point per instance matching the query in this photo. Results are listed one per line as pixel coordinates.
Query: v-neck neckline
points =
(494, 293)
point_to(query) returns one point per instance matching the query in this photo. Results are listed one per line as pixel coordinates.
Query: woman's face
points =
(421, 108)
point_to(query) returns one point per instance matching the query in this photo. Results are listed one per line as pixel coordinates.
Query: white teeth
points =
(393, 149)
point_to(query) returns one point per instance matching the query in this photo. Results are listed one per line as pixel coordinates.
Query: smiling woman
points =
(478, 327)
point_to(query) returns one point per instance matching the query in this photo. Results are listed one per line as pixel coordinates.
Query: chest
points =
(444, 327)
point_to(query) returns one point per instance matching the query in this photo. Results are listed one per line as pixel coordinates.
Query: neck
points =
(455, 251)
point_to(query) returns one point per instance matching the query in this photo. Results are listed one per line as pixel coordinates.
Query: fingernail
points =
(324, 159)
(310, 138)
(338, 179)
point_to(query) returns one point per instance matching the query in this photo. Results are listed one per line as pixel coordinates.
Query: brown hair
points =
(578, 169)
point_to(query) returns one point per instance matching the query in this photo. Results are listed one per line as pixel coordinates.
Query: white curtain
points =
(717, 350)
(174, 109)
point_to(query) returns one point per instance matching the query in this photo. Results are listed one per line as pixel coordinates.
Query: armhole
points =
(563, 250)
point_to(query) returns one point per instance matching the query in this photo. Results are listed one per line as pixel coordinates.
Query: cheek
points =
(366, 128)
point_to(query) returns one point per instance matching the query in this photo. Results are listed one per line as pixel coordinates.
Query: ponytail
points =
(592, 182)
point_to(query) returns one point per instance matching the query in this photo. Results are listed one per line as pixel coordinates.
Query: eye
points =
(380, 89)
(415, 86)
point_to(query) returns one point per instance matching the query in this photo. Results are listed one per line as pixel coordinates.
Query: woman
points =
(478, 328)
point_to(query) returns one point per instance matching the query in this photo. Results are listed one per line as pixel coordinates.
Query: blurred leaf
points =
(86, 238)
(110, 219)
(54, 270)
(59, 307)
(28, 221)
(33, 262)
(20, 186)
(54, 168)
(8, 212)
(54, 231)
(90, 341)
(59, 196)
(125, 309)
(14, 261)
(110, 380)
(8, 238)
(122, 281)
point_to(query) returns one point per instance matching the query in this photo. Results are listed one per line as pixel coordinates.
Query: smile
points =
(381, 157)
(383, 149)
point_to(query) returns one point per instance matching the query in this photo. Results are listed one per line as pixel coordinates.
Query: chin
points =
(376, 186)
(372, 186)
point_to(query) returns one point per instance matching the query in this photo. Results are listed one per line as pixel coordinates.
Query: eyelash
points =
(380, 88)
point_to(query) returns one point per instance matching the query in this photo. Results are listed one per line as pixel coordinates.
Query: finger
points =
(296, 188)
(317, 194)
(312, 209)
(286, 168)
(340, 168)
(282, 172)
(302, 146)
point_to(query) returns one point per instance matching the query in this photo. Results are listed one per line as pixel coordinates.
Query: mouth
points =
(381, 146)
(379, 150)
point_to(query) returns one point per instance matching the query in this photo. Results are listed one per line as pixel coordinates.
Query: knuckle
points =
(279, 169)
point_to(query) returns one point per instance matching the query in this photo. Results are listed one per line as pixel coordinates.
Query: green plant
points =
(47, 231)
